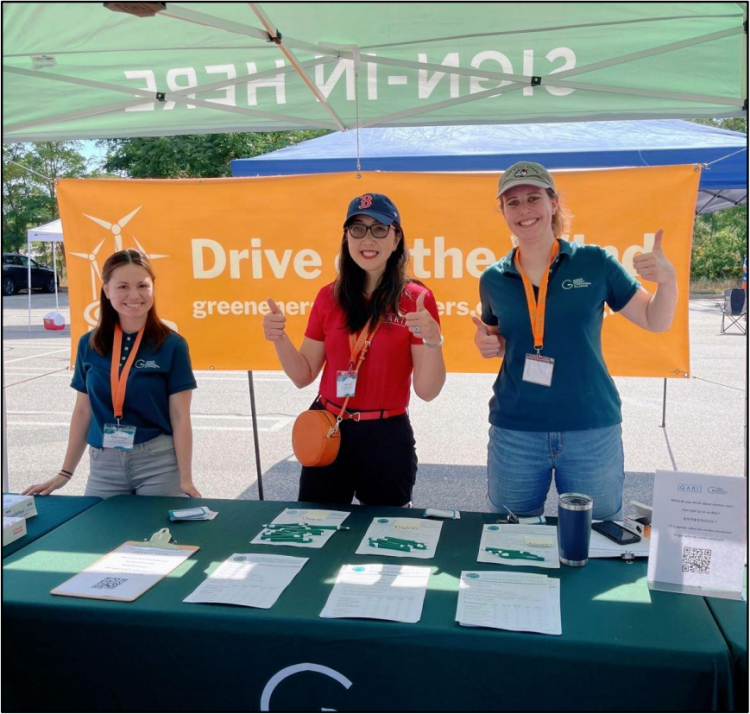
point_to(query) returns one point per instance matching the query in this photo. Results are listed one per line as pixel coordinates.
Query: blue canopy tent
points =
(495, 147)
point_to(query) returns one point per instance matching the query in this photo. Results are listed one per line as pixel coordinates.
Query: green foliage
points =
(720, 239)
(193, 156)
(720, 245)
(730, 124)
(29, 198)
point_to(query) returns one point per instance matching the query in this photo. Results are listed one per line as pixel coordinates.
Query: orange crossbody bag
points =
(316, 437)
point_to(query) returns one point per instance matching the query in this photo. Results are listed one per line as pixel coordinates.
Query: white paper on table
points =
(521, 602)
(125, 573)
(517, 536)
(698, 534)
(378, 592)
(248, 579)
(417, 529)
(602, 547)
(312, 517)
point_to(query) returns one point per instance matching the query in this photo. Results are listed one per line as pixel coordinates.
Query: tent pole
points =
(54, 265)
(28, 272)
(258, 469)
(276, 37)
(664, 406)
(6, 486)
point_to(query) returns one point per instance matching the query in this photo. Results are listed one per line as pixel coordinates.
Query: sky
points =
(94, 155)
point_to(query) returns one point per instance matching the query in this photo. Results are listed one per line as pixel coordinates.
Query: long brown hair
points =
(349, 288)
(102, 336)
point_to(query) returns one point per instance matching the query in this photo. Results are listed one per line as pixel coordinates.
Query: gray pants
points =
(149, 469)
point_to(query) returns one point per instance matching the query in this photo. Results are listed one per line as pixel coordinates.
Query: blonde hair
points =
(560, 219)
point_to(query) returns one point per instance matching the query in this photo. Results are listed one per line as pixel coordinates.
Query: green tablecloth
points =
(731, 617)
(52, 511)
(623, 648)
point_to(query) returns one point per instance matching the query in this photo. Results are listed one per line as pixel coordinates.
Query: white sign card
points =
(698, 534)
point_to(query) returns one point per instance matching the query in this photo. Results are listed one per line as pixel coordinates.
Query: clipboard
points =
(128, 571)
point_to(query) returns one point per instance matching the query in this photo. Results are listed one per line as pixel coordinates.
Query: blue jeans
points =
(520, 465)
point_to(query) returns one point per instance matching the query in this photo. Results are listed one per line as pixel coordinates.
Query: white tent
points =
(48, 233)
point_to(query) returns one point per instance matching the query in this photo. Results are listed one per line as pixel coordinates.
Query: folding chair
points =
(734, 310)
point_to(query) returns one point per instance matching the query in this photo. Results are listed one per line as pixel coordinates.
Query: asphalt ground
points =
(705, 419)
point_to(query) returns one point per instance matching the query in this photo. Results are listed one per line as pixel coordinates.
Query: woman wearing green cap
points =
(371, 300)
(555, 409)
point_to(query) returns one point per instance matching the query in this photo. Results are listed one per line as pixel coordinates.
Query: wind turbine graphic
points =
(116, 228)
(91, 312)
(95, 273)
(150, 256)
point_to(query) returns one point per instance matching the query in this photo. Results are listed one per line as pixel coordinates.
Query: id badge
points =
(538, 370)
(119, 437)
(346, 383)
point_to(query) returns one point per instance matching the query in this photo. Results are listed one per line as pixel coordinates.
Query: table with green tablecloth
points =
(623, 647)
(52, 511)
(731, 617)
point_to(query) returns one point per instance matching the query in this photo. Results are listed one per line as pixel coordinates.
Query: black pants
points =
(377, 463)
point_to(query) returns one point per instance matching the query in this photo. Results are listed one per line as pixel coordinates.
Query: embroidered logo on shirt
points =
(146, 364)
(575, 283)
(395, 320)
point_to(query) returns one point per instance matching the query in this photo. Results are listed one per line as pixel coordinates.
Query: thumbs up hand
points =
(487, 339)
(273, 323)
(421, 323)
(655, 266)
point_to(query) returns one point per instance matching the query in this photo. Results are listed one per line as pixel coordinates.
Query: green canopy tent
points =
(81, 70)
(86, 71)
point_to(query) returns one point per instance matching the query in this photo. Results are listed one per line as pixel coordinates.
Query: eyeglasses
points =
(359, 230)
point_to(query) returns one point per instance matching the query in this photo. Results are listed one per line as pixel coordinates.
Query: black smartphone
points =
(615, 532)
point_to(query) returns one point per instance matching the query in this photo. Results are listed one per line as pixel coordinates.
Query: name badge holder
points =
(118, 436)
(346, 383)
(538, 369)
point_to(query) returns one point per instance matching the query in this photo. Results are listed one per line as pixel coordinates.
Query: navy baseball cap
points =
(376, 205)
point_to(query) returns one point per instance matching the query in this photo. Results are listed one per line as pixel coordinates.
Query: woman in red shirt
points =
(377, 461)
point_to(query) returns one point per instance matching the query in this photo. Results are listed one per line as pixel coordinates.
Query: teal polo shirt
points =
(153, 378)
(583, 395)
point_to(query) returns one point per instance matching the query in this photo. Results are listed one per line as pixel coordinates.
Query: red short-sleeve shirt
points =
(385, 376)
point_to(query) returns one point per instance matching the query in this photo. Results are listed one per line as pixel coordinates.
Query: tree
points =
(720, 239)
(193, 156)
(29, 193)
(720, 245)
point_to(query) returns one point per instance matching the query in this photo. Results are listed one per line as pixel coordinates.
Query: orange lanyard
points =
(118, 381)
(538, 308)
(360, 343)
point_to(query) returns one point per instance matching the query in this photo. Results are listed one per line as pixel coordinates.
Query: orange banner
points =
(221, 247)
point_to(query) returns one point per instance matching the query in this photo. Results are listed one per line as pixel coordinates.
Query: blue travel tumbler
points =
(574, 528)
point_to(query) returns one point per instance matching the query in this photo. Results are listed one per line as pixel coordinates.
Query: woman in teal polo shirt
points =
(555, 409)
(134, 382)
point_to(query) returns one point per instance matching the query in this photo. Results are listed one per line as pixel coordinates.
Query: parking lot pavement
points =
(705, 418)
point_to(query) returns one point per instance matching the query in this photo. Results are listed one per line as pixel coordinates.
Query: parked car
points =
(16, 274)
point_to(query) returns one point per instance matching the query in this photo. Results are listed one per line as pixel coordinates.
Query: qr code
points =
(696, 560)
(109, 583)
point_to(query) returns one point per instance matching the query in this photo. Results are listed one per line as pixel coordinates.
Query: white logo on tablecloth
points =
(268, 690)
